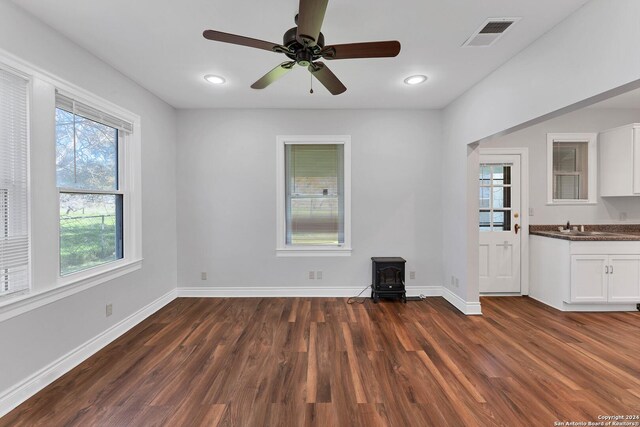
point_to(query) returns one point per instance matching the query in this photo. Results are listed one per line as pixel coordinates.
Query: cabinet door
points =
(624, 278)
(616, 162)
(588, 278)
(636, 160)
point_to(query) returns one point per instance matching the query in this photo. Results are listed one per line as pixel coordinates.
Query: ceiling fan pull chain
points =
(311, 82)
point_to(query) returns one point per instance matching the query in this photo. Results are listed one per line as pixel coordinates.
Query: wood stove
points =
(387, 278)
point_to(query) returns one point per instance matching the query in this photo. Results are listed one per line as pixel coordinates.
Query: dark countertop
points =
(593, 232)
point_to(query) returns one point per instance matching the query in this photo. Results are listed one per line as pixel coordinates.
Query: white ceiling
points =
(630, 99)
(159, 44)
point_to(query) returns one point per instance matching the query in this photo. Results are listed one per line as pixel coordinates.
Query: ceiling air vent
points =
(489, 32)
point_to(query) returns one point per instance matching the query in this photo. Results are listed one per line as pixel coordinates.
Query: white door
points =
(500, 216)
(589, 276)
(624, 278)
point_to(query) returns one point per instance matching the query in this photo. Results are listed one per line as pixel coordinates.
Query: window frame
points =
(491, 210)
(45, 287)
(592, 165)
(284, 249)
(129, 177)
(117, 192)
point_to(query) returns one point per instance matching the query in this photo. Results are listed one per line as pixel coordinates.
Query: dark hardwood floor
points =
(320, 361)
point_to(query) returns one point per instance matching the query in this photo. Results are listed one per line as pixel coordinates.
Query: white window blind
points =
(314, 194)
(14, 198)
(71, 105)
(570, 163)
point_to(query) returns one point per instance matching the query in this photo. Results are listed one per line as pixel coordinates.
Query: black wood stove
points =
(387, 278)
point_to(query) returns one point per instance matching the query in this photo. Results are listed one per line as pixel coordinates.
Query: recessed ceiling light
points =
(415, 80)
(216, 80)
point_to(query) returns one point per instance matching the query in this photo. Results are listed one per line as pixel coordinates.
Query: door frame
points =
(523, 152)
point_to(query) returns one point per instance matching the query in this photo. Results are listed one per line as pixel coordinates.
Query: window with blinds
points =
(88, 144)
(572, 163)
(14, 196)
(314, 179)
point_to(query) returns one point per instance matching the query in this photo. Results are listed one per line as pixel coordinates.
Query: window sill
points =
(98, 272)
(571, 203)
(21, 303)
(312, 251)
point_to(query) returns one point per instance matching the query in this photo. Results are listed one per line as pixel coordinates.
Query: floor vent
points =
(489, 32)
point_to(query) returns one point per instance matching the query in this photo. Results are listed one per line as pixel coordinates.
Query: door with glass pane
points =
(499, 192)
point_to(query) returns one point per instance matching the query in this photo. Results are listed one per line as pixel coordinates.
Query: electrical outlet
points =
(319, 275)
(203, 275)
(530, 211)
(109, 310)
(412, 275)
(312, 275)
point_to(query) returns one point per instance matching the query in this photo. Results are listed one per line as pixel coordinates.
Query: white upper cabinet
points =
(620, 161)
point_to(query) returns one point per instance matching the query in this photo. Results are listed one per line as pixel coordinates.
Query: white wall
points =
(33, 340)
(589, 53)
(227, 193)
(608, 209)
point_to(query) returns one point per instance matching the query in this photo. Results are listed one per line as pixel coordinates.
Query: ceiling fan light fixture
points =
(415, 80)
(304, 45)
(213, 79)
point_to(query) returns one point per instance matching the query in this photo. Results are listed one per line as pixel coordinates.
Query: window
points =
(314, 195)
(89, 144)
(495, 197)
(571, 168)
(14, 196)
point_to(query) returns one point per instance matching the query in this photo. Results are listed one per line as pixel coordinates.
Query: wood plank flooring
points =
(322, 362)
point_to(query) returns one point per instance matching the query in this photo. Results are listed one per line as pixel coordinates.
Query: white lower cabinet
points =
(624, 278)
(605, 278)
(585, 275)
(589, 281)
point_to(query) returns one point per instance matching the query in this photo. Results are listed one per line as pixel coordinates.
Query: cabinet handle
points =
(611, 269)
(606, 269)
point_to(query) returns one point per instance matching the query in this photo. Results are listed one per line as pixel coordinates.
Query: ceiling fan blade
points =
(327, 78)
(385, 49)
(240, 40)
(273, 75)
(310, 17)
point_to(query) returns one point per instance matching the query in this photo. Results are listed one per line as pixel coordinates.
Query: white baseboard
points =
(15, 395)
(274, 291)
(427, 291)
(595, 308)
(467, 307)
(502, 294)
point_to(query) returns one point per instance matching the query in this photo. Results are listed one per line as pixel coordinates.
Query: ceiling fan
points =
(304, 45)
